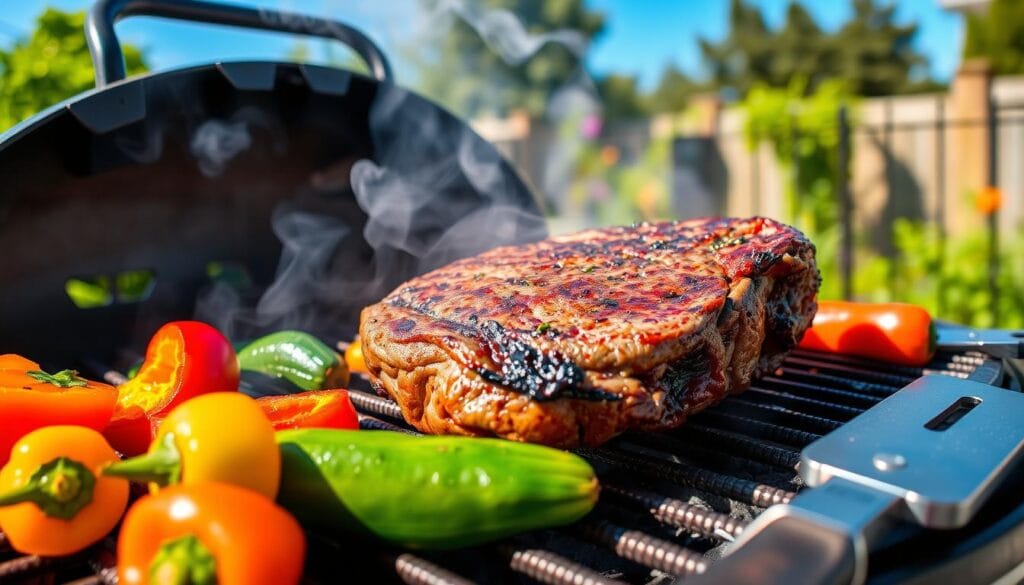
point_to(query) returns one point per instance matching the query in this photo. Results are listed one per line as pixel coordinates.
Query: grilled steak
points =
(575, 339)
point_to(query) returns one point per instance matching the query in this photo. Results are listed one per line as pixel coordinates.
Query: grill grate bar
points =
(548, 567)
(691, 441)
(896, 381)
(816, 391)
(802, 404)
(25, 566)
(716, 418)
(645, 549)
(370, 423)
(677, 513)
(90, 580)
(416, 571)
(837, 382)
(695, 477)
(375, 404)
(810, 422)
(741, 445)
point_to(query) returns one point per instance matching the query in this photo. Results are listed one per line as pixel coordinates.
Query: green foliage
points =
(998, 35)
(469, 77)
(952, 285)
(804, 134)
(51, 65)
(870, 52)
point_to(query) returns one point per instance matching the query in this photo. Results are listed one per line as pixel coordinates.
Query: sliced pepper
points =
(222, 436)
(321, 409)
(52, 499)
(31, 398)
(298, 357)
(183, 359)
(209, 533)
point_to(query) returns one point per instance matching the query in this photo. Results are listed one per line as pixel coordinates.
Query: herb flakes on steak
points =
(575, 339)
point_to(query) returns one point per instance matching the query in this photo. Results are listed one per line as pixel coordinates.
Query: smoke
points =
(432, 193)
(216, 142)
(502, 31)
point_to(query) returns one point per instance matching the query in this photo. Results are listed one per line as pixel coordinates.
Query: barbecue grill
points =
(141, 217)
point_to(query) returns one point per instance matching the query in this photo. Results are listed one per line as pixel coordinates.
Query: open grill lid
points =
(142, 191)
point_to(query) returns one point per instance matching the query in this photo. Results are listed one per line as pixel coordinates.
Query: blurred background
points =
(892, 133)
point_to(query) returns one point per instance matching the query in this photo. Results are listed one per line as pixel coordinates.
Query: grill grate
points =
(669, 500)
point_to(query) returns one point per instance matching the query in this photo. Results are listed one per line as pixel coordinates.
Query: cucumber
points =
(429, 492)
(296, 356)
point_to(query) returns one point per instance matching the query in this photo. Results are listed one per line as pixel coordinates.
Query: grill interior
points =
(669, 500)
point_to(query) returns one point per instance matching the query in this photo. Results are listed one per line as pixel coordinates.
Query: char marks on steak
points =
(577, 338)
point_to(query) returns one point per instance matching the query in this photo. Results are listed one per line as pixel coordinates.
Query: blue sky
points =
(641, 37)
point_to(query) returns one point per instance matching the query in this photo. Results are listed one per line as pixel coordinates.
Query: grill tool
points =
(995, 342)
(931, 453)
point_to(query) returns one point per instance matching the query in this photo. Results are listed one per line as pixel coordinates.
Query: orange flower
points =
(988, 200)
(609, 155)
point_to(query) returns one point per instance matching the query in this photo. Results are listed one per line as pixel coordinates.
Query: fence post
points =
(940, 188)
(993, 217)
(845, 205)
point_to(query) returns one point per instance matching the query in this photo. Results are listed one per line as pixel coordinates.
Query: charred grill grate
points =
(669, 500)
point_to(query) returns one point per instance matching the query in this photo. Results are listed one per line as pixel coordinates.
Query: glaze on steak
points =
(574, 339)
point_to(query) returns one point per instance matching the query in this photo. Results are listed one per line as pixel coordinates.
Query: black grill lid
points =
(156, 186)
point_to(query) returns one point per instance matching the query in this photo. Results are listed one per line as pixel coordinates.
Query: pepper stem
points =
(161, 466)
(183, 561)
(60, 488)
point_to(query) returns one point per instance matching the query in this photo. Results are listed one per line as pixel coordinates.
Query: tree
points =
(874, 53)
(673, 92)
(870, 52)
(53, 64)
(620, 97)
(745, 56)
(528, 53)
(999, 36)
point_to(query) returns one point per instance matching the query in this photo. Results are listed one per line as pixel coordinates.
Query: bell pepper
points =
(183, 359)
(31, 398)
(322, 409)
(209, 533)
(354, 357)
(222, 436)
(296, 356)
(897, 333)
(52, 499)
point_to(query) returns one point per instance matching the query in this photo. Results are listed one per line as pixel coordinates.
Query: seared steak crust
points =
(575, 339)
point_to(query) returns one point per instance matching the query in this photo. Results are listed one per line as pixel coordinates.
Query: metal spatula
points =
(931, 453)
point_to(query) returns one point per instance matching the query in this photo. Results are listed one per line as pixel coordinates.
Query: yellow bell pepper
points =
(221, 436)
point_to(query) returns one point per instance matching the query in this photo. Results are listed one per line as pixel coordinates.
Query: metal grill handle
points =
(108, 58)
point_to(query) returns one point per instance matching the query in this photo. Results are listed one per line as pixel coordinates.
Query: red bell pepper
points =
(31, 399)
(318, 409)
(183, 359)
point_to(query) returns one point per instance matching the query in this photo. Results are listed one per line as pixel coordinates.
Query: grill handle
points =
(108, 58)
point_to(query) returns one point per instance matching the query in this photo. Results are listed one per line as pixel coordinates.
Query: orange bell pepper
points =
(52, 499)
(32, 399)
(318, 409)
(183, 359)
(897, 333)
(223, 437)
(209, 533)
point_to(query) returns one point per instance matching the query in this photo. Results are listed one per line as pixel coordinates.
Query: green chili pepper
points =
(429, 492)
(300, 358)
